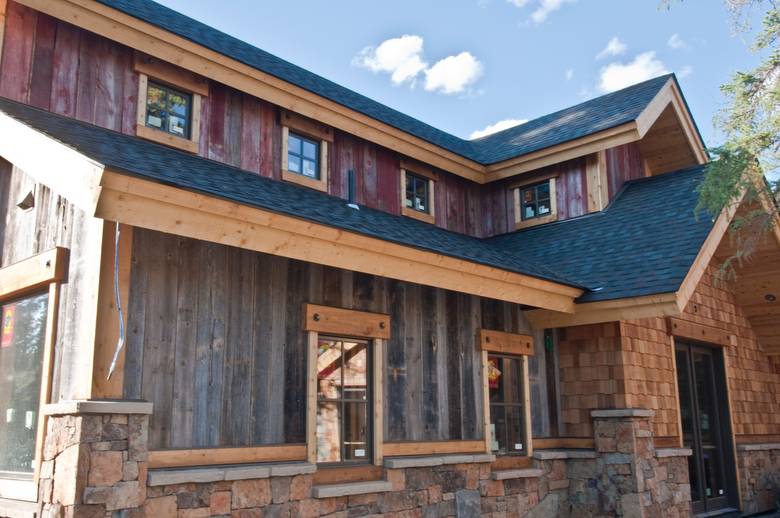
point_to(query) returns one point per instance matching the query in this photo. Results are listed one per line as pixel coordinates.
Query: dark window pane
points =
(514, 424)
(294, 144)
(535, 201)
(417, 193)
(21, 356)
(543, 190)
(544, 208)
(168, 110)
(328, 431)
(529, 212)
(494, 379)
(498, 429)
(355, 431)
(294, 163)
(310, 150)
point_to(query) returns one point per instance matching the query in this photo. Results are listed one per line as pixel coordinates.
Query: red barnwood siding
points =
(56, 66)
(623, 163)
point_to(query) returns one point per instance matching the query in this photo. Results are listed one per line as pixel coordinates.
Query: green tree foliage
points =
(750, 122)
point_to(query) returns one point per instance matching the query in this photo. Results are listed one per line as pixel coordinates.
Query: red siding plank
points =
(19, 40)
(65, 69)
(43, 55)
(250, 134)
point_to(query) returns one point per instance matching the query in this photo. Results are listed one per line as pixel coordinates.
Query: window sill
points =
(424, 461)
(509, 474)
(536, 221)
(353, 488)
(19, 489)
(164, 477)
(166, 139)
(420, 216)
(319, 185)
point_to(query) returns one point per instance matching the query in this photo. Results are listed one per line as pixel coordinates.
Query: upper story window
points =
(535, 203)
(305, 151)
(169, 101)
(303, 156)
(417, 191)
(168, 110)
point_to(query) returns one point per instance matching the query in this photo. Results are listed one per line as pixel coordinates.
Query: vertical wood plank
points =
(251, 130)
(19, 41)
(395, 359)
(311, 397)
(87, 77)
(233, 122)
(486, 402)
(378, 402)
(43, 54)
(109, 85)
(65, 68)
(295, 349)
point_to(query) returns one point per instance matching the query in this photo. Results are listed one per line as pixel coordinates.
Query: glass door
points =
(705, 424)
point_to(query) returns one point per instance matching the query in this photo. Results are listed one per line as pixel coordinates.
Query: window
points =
(168, 110)
(417, 190)
(169, 100)
(417, 194)
(303, 156)
(305, 151)
(343, 400)
(505, 384)
(535, 203)
(22, 339)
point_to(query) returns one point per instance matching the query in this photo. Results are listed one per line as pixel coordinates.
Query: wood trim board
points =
(33, 273)
(410, 448)
(237, 455)
(505, 343)
(345, 322)
(699, 332)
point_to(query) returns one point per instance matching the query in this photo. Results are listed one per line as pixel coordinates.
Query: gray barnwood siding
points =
(215, 340)
(53, 221)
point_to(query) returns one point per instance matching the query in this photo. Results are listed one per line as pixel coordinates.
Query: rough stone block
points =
(251, 493)
(467, 503)
(105, 468)
(162, 506)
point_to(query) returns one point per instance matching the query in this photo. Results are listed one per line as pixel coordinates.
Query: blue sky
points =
(465, 65)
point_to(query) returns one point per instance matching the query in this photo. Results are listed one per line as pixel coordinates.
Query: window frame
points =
(169, 76)
(519, 404)
(422, 172)
(342, 401)
(516, 345)
(517, 190)
(312, 130)
(38, 274)
(372, 328)
(169, 91)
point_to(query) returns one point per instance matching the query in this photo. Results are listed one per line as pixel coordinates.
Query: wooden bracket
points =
(699, 332)
(347, 322)
(507, 343)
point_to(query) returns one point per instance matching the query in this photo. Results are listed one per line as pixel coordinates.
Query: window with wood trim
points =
(505, 384)
(169, 101)
(22, 344)
(417, 191)
(535, 203)
(344, 395)
(304, 158)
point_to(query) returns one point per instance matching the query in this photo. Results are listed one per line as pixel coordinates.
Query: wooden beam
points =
(239, 455)
(597, 184)
(545, 443)
(527, 425)
(661, 305)
(506, 343)
(168, 47)
(345, 322)
(486, 402)
(33, 273)
(699, 332)
(107, 333)
(167, 209)
(166, 139)
(311, 397)
(394, 449)
(47, 371)
(65, 171)
(171, 75)
(379, 401)
(308, 127)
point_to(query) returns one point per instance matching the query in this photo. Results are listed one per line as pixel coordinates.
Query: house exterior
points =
(231, 287)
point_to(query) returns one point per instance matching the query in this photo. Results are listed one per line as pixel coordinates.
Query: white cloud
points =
(676, 42)
(518, 3)
(546, 8)
(495, 128)
(453, 74)
(619, 75)
(614, 47)
(399, 57)
(569, 74)
(685, 71)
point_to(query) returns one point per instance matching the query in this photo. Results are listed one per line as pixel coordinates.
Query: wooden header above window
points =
(346, 322)
(308, 127)
(506, 343)
(33, 273)
(170, 74)
(699, 332)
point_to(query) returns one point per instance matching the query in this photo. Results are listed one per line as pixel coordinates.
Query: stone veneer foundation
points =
(95, 465)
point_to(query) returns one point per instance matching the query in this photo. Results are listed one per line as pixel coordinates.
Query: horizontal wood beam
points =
(546, 443)
(506, 343)
(394, 449)
(347, 322)
(33, 273)
(168, 209)
(699, 332)
(238, 455)
(665, 304)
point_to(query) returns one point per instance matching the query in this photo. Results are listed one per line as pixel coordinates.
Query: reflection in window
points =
(303, 156)
(505, 383)
(535, 201)
(343, 400)
(417, 193)
(21, 358)
(168, 110)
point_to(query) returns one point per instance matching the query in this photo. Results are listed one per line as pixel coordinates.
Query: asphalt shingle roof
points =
(644, 243)
(148, 160)
(595, 115)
